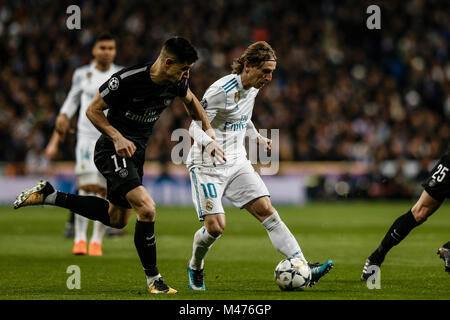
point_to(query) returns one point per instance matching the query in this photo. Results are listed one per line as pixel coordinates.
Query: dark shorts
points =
(122, 174)
(437, 185)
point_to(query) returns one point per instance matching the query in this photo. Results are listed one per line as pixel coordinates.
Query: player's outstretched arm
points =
(197, 113)
(123, 146)
(195, 110)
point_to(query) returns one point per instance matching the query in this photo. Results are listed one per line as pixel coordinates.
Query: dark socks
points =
(397, 232)
(91, 207)
(144, 240)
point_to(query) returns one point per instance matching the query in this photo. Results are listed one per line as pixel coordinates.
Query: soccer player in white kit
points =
(85, 83)
(228, 103)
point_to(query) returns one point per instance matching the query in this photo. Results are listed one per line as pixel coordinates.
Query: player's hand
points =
(124, 147)
(51, 151)
(266, 142)
(62, 126)
(182, 88)
(215, 152)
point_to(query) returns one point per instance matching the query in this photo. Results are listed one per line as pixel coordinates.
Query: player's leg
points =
(204, 239)
(96, 241)
(91, 207)
(436, 190)
(144, 238)
(80, 230)
(95, 185)
(207, 190)
(69, 228)
(444, 254)
(247, 190)
(92, 183)
(281, 237)
(402, 226)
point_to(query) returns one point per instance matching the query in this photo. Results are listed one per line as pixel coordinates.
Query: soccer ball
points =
(292, 274)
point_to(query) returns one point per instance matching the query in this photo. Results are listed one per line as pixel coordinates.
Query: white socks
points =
(282, 239)
(203, 241)
(81, 225)
(98, 232)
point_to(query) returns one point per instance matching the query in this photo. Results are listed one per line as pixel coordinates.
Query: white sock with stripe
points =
(81, 225)
(203, 241)
(282, 239)
(99, 228)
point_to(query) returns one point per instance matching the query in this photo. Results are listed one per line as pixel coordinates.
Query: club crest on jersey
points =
(204, 103)
(113, 83)
(167, 102)
(209, 205)
(123, 173)
(237, 96)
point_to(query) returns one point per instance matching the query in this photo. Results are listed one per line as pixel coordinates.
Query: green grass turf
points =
(34, 256)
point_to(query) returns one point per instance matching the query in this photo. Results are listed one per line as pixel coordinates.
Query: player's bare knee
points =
(215, 229)
(264, 209)
(421, 213)
(145, 209)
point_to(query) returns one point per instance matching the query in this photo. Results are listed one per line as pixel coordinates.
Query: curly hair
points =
(256, 54)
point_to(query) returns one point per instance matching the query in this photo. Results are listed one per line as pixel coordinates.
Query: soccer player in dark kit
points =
(135, 97)
(436, 190)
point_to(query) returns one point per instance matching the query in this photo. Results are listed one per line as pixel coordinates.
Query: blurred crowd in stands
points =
(341, 92)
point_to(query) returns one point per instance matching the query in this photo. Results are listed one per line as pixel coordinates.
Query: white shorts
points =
(240, 184)
(85, 168)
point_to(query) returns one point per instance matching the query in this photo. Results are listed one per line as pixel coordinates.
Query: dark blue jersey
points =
(135, 102)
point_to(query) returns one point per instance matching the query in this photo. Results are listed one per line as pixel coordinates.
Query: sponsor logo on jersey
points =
(148, 117)
(113, 83)
(236, 126)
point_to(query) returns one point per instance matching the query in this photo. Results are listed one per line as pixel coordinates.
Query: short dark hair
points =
(180, 49)
(104, 36)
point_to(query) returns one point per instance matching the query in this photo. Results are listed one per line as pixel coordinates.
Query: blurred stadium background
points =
(361, 113)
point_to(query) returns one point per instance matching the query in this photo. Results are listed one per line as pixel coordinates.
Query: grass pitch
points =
(34, 256)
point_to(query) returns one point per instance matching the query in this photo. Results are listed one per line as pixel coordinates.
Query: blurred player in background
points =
(135, 96)
(229, 103)
(436, 190)
(51, 152)
(85, 83)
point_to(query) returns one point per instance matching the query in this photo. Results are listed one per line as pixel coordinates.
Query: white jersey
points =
(85, 83)
(229, 109)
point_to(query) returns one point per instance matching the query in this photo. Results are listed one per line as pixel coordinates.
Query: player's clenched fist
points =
(124, 147)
